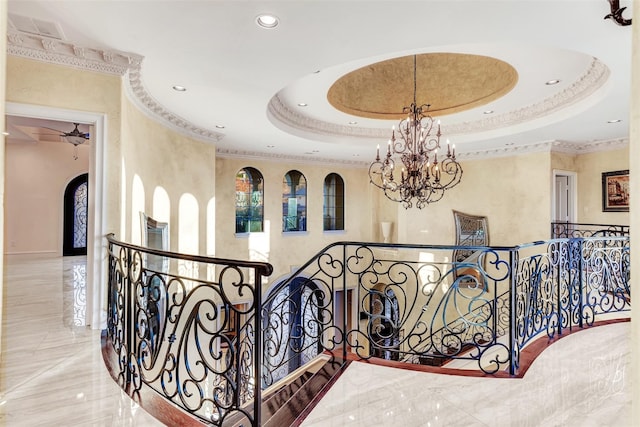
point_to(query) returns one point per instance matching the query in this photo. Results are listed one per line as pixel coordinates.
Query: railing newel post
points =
(257, 383)
(580, 282)
(344, 302)
(513, 269)
(128, 319)
(559, 267)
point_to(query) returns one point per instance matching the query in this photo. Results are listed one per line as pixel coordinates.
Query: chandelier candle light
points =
(423, 177)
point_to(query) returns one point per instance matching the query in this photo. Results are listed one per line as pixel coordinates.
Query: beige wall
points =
(512, 192)
(173, 168)
(3, 64)
(36, 175)
(287, 250)
(590, 167)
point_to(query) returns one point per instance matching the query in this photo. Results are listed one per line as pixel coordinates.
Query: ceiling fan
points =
(74, 137)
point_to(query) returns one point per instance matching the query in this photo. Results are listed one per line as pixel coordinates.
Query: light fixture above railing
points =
(423, 178)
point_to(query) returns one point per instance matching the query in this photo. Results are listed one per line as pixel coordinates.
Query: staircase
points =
(289, 401)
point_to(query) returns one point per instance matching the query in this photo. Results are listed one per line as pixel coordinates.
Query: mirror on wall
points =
(471, 230)
(155, 235)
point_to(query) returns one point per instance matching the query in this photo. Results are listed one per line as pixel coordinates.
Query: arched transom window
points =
(249, 200)
(294, 202)
(333, 210)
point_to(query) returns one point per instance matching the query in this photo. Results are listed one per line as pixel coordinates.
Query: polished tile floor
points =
(52, 374)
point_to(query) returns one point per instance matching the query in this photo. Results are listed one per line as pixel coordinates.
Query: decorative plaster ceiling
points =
(447, 82)
(292, 92)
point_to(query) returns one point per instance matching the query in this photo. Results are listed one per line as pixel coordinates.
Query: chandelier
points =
(423, 178)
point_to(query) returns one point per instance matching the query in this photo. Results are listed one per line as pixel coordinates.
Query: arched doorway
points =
(76, 197)
(383, 327)
(292, 328)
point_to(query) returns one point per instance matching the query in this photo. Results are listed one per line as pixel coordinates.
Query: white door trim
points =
(573, 193)
(96, 247)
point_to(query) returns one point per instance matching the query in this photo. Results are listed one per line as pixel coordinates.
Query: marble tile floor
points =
(581, 380)
(52, 373)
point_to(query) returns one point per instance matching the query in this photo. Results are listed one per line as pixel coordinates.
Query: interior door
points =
(563, 199)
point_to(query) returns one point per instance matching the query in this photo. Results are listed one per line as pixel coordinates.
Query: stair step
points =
(288, 404)
(292, 411)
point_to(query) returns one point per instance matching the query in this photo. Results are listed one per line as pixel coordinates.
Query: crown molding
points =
(255, 155)
(124, 64)
(590, 146)
(554, 146)
(137, 93)
(66, 53)
(589, 82)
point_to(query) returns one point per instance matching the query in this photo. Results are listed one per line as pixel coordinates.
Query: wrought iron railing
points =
(413, 304)
(179, 325)
(206, 341)
(561, 230)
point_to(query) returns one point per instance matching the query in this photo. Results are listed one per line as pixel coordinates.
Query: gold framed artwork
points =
(615, 191)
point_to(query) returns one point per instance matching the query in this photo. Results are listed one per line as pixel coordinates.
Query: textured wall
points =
(512, 192)
(165, 162)
(590, 167)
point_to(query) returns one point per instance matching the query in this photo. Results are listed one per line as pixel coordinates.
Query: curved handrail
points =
(264, 268)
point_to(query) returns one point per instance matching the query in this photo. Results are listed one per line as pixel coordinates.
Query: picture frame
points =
(615, 191)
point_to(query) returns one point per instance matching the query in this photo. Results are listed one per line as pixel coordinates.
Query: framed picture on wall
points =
(615, 191)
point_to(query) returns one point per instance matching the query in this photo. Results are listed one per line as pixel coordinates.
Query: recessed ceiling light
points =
(302, 104)
(6, 133)
(353, 122)
(552, 82)
(614, 121)
(488, 112)
(267, 21)
(220, 126)
(179, 88)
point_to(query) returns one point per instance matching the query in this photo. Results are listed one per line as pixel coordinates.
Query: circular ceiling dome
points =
(448, 82)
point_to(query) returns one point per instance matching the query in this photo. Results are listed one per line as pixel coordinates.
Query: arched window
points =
(76, 197)
(333, 211)
(249, 200)
(294, 202)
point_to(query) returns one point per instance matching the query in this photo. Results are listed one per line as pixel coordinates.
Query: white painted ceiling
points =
(250, 80)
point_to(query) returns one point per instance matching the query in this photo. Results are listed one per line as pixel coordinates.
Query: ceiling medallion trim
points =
(593, 79)
(124, 64)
